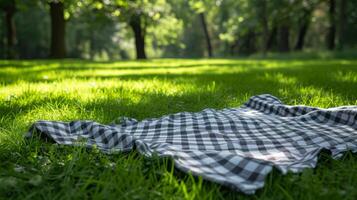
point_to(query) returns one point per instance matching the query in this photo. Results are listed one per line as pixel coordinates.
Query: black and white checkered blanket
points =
(236, 147)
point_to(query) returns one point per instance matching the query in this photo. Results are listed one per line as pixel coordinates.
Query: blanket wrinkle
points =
(236, 147)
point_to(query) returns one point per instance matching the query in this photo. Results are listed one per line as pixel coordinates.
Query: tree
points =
(303, 27)
(91, 32)
(290, 16)
(284, 37)
(139, 15)
(242, 27)
(58, 43)
(282, 16)
(303, 12)
(272, 38)
(330, 37)
(139, 29)
(200, 6)
(103, 29)
(263, 18)
(9, 7)
(342, 20)
(206, 33)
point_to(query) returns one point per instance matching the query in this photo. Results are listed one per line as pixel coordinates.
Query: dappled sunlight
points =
(280, 78)
(312, 96)
(103, 91)
(94, 89)
(56, 70)
(97, 99)
(318, 97)
(119, 62)
(88, 71)
(71, 89)
(346, 76)
(50, 111)
(49, 71)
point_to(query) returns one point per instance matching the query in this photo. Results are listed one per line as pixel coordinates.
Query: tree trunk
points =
(262, 12)
(139, 34)
(11, 40)
(207, 36)
(58, 43)
(342, 19)
(330, 37)
(271, 39)
(250, 43)
(284, 35)
(302, 33)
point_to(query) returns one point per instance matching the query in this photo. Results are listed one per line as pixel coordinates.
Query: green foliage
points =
(102, 91)
(200, 6)
(38, 32)
(100, 29)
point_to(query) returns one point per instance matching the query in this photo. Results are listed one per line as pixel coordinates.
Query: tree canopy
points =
(121, 29)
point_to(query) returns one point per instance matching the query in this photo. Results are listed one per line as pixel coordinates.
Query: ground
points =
(102, 91)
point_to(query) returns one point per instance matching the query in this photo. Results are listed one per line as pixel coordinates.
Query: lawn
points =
(102, 91)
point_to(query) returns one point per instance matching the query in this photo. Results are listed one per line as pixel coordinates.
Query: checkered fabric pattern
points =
(236, 147)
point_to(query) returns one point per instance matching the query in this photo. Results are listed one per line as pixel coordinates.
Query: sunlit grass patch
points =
(102, 91)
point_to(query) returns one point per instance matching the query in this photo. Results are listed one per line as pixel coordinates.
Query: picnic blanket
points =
(236, 147)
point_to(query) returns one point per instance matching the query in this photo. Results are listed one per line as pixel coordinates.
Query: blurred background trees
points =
(123, 29)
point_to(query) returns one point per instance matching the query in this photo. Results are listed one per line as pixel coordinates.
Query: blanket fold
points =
(236, 147)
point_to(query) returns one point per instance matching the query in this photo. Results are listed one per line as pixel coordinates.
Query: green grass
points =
(102, 91)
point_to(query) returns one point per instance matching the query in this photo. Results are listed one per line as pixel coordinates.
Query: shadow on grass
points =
(34, 71)
(255, 79)
(217, 86)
